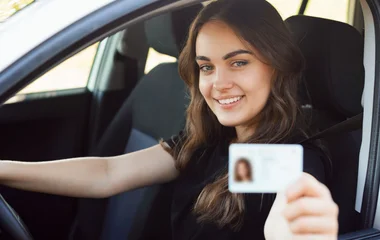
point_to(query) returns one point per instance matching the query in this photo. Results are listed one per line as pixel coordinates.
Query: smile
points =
(230, 100)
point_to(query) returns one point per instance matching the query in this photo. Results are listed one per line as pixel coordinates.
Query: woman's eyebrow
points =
(225, 57)
(237, 52)
(202, 58)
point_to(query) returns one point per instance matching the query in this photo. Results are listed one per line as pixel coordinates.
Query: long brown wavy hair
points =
(259, 24)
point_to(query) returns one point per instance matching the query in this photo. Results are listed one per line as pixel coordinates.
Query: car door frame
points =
(369, 208)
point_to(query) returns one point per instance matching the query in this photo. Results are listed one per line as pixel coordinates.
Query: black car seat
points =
(334, 82)
(154, 110)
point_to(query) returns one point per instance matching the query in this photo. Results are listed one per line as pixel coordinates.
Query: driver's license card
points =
(263, 168)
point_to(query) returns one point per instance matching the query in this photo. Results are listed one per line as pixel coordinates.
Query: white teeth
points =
(229, 100)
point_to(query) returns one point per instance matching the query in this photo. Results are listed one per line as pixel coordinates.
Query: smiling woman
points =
(244, 90)
(237, 65)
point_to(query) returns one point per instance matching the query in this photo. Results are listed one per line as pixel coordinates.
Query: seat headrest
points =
(167, 33)
(334, 74)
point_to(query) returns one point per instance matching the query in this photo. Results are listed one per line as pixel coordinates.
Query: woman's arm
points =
(92, 177)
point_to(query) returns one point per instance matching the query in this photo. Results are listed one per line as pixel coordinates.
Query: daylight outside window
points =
(10, 7)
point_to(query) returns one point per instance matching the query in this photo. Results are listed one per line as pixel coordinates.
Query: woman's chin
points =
(229, 123)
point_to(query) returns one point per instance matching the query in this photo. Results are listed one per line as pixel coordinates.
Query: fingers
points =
(310, 206)
(310, 211)
(313, 225)
(308, 186)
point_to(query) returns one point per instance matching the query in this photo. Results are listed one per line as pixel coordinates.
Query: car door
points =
(369, 178)
(69, 94)
(48, 120)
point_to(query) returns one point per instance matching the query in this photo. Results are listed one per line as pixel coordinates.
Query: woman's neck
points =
(243, 133)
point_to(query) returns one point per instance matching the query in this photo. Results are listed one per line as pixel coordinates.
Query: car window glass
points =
(10, 7)
(286, 8)
(70, 74)
(155, 58)
(338, 10)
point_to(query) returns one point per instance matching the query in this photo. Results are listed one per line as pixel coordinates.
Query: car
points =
(124, 94)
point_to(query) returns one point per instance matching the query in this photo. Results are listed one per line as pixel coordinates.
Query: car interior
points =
(139, 109)
(325, 77)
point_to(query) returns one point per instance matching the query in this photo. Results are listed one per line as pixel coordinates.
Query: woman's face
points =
(232, 80)
(242, 170)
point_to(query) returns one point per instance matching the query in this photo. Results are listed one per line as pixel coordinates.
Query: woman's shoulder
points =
(316, 160)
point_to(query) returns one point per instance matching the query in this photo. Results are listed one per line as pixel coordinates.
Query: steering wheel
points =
(11, 223)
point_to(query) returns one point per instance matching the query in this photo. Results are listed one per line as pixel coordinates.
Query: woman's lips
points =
(227, 103)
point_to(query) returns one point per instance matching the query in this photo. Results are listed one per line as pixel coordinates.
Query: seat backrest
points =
(155, 109)
(333, 86)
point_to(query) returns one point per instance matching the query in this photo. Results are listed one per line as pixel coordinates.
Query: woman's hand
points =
(305, 211)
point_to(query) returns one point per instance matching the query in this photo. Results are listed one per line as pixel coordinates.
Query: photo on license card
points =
(263, 168)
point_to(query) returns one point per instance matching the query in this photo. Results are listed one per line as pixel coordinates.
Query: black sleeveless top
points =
(204, 170)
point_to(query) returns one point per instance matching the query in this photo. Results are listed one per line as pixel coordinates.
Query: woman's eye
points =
(205, 68)
(239, 63)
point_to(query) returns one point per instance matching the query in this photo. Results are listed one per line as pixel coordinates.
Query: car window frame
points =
(370, 181)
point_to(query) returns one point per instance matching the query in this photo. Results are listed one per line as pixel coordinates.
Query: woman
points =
(241, 68)
(243, 171)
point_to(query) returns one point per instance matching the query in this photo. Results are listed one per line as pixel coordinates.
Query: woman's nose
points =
(222, 80)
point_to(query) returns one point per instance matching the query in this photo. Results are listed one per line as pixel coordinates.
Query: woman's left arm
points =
(305, 210)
